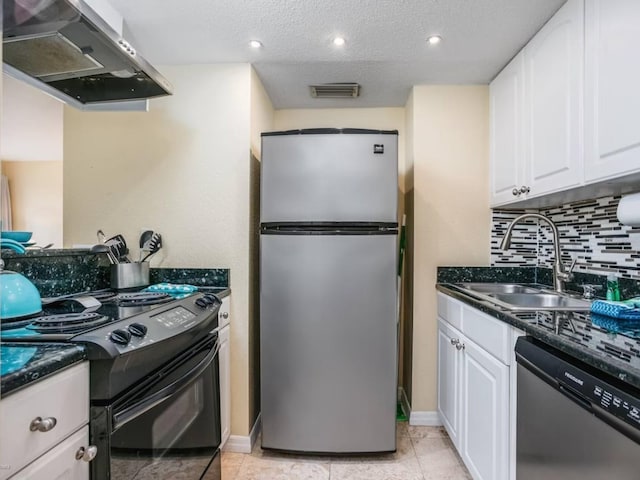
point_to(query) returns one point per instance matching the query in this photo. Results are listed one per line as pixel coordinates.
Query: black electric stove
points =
(120, 330)
(154, 381)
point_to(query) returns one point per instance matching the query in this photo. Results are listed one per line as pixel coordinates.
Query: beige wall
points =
(262, 117)
(36, 199)
(406, 353)
(182, 169)
(451, 208)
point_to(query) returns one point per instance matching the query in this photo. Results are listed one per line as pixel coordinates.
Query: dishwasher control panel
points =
(583, 387)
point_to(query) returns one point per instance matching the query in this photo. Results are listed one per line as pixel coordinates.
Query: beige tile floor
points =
(423, 453)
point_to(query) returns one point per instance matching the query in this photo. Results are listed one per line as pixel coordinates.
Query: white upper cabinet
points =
(536, 107)
(507, 153)
(612, 110)
(554, 102)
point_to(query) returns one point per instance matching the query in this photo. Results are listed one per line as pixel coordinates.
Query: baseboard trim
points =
(244, 443)
(427, 419)
(404, 402)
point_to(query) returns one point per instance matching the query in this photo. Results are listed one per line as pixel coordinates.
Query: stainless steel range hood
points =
(65, 48)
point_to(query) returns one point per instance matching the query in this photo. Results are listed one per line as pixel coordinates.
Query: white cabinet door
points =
(60, 463)
(554, 69)
(449, 380)
(506, 97)
(484, 444)
(224, 356)
(612, 108)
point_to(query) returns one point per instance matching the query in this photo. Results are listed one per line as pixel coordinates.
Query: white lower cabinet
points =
(474, 398)
(449, 380)
(224, 358)
(42, 419)
(485, 413)
(64, 462)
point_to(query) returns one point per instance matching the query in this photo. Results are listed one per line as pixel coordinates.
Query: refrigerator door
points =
(328, 342)
(329, 178)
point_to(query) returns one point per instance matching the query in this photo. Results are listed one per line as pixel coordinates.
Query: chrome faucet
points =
(559, 274)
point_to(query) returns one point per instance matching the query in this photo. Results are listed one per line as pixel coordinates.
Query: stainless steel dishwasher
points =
(572, 422)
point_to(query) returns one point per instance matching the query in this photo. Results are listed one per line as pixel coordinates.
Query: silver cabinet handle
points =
(524, 190)
(87, 454)
(515, 192)
(455, 342)
(460, 346)
(224, 315)
(40, 424)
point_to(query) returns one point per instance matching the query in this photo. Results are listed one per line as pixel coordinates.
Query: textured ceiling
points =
(385, 48)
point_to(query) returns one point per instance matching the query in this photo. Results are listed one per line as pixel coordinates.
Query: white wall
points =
(451, 208)
(182, 169)
(32, 123)
(31, 151)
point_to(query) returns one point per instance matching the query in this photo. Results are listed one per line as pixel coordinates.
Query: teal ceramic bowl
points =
(22, 237)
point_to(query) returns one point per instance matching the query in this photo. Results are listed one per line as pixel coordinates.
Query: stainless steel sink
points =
(523, 298)
(499, 288)
(541, 301)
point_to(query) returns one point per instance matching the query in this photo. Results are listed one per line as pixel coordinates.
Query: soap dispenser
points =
(613, 290)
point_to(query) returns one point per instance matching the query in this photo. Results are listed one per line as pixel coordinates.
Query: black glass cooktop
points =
(70, 316)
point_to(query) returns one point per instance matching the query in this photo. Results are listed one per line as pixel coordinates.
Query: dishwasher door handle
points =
(576, 397)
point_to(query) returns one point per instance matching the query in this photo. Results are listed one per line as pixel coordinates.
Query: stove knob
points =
(208, 300)
(201, 302)
(121, 337)
(137, 329)
(213, 298)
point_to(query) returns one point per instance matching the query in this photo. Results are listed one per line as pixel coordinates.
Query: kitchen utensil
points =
(18, 296)
(38, 247)
(120, 247)
(21, 237)
(101, 248)
(145, 238)
(155, 244)
(101, 236)
(129, 275)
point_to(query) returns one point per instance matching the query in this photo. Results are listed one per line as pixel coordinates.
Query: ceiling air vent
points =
(335, 90)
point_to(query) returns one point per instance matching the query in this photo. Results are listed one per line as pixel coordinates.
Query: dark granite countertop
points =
(602, 343)
(22, 364)
(220, 292)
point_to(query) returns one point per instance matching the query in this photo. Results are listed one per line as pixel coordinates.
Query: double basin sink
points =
(523, 298)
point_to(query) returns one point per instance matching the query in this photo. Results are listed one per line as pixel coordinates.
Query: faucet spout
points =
(559, 274)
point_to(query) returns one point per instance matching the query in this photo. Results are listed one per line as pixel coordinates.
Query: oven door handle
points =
(137, 409)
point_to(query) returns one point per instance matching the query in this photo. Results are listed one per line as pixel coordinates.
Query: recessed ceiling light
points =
(339, 41)
(434, 39)
(255, 43)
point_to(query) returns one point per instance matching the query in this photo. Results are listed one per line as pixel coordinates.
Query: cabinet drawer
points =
(450, 310)
(487, 332)
(64, 396)
(61, 462)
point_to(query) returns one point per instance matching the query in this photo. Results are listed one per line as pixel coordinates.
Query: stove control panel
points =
(155, 325)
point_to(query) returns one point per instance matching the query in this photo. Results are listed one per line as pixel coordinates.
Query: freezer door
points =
(329, 178)
(328, 343)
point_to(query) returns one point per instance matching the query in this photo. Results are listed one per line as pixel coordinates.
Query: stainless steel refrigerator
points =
(328, 266)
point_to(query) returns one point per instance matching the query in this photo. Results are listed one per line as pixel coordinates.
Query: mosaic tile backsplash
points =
(589, 232)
